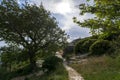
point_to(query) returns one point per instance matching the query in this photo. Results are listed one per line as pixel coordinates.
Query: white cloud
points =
(67, 8)
(63, 7)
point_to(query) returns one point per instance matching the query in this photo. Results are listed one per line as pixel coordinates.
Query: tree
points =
(11, 55)
(107, 16)
(31, 27)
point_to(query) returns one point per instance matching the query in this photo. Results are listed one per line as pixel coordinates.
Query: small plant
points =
(51, 63)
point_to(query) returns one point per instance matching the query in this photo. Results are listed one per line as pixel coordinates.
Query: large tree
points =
(31, 27)
(107, 16)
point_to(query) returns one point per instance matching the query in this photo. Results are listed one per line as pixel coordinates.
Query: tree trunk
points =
(32, 60)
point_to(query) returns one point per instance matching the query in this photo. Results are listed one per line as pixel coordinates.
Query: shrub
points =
(109, 36)
(51, 63)
(68, 50)
(100, 47)
(79, 46)
(3, 74)
(20, 72)
(83, 45)
(23, 71)
(86, 45)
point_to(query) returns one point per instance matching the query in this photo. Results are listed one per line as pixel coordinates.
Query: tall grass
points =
(99, 68)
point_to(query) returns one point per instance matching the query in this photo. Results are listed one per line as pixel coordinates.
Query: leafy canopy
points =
(31, 27)
(107, 16)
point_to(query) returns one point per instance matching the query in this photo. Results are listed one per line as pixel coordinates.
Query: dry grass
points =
(99, 68)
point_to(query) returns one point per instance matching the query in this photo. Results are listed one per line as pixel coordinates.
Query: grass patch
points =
(8, 75)
(99, 68)
(59, 74)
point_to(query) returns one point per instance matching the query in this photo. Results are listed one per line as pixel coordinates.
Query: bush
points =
(100, 47)
(78, 47)
(86, 45)
(20, 72)
(83, 45)
(68, 50)
(59, 74)
(3, 74)
(51, 63)
(23, 71)
(109, 36)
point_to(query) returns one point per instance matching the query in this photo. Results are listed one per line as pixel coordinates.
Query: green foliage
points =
(116, 47)
(83, 45)
(100, 47)
(8, 75)
(99, 68)
(13, 56)
(86, 45)
(107, 16)
(69, 50)
(94, 37)
(51, 63)
(109, 36)
(78, 47)
(31, 27)
(59, 74)
(23, 71)
(3, 73)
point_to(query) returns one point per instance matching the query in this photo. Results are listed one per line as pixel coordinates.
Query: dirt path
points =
(73, 75)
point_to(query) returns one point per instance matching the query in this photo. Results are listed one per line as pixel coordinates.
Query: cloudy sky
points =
(64, 11)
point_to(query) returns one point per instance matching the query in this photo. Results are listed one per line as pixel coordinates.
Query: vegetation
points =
(107, 16)
(79, 49)
(31, 33)
(100, 47)
(7, 75)
(51, 63)
(108, 36)
(82, 47)
(87, 44)
(99, 68)
(59, 74)
(106, 26)
(68, 51)
(12, 56)
(105, 23)
(31, 27)
(3, 73)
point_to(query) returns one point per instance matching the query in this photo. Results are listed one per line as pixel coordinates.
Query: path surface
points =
(73, 75)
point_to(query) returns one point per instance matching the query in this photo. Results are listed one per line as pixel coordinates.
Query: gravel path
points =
(73, 75)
